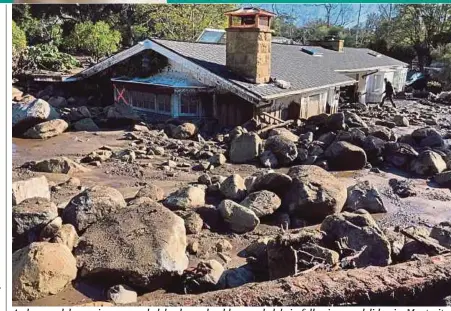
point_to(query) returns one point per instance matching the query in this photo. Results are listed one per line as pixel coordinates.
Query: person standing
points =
(388, 93)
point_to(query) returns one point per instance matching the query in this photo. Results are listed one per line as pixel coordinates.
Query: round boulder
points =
(151, 191)
(314, 193)
(342, 155)
(142, 246)
(92, 205)
(283, 148)
(262, 203)
(41, 269)
(240, 219)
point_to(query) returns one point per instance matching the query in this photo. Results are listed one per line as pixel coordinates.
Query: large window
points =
(143, 100)
(160, 103)
(190, 105)
(164, 103)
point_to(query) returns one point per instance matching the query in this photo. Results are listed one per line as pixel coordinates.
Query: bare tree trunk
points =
(358, 26)
(414, 282)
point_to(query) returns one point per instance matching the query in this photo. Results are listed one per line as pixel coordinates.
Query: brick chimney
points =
(332, 43)
(248, 44)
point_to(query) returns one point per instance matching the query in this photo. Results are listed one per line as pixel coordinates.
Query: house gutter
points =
(371, 68)
(276, 96)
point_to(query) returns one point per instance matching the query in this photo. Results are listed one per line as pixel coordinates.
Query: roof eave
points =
(297, 92)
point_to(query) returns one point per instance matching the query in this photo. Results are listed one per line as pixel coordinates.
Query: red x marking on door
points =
(121, 95)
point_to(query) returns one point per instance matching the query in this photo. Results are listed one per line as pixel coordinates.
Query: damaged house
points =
(248, 76)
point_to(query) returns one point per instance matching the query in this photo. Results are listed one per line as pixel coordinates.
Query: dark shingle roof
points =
(288, 63)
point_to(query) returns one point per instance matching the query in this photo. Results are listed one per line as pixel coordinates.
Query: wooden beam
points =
(414, 282)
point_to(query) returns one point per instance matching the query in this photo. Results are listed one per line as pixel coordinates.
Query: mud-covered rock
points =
(364, 195)
(36, 187)
(25, 116)
(151, 191)
(283, 148)
(314, 193)
(186, 198)
(60, 165)
(29, 218)
(428, 163)
(358, 232)
(47, 129)
(41, 269)
(245, 148)
(233, 187)
(142, 246)
(342, 155)
(262, 203)
(239, 218)
(92, 205)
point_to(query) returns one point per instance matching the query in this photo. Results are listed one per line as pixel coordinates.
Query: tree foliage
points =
(18, 37)
(97, 39)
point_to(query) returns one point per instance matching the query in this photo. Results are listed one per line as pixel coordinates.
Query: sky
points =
(308, 12)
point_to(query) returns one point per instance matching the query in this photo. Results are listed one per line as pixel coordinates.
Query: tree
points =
(19, 38)
(98, 40)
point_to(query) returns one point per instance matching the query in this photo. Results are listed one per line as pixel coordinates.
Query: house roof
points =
(303, 71)
(287, 63)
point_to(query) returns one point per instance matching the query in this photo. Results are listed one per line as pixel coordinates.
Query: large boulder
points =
(354, 120)
(442, 233)
(336, 121)
(47, 129)
(262, 203)
(342, 155)
(374, 148)
(428, 163)
(399, 154)
(184, 131)
(41, 269)
(364, 195)
(92, 205)
(25, 116)
(29, 218)
(239, 218)
(66, 235)
(401, 120)
(285, 133)
(186, 198)
(314, 193)
(78, 113)
(57, 102)
(245, 148)
(268, 159)
(275, 182)
(207, 276)
(233, 187)
(36, 187)
(443, 179)
(381, 132)
(120, 113)
(151, 191)
(283, 148)
(428, 137)
(142, 246)
(358, 232)
(86, 124)
(61, 165)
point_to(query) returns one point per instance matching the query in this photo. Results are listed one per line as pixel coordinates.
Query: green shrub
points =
(97, 40)
(48, 57)
(19, 38)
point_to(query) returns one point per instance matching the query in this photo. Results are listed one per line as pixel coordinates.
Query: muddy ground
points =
(430, 206)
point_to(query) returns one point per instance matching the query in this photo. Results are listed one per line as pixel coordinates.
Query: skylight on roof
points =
(311, 51)
(375, 54)
(212, 36)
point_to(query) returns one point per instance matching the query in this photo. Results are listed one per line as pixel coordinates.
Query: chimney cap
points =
(247, 11)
